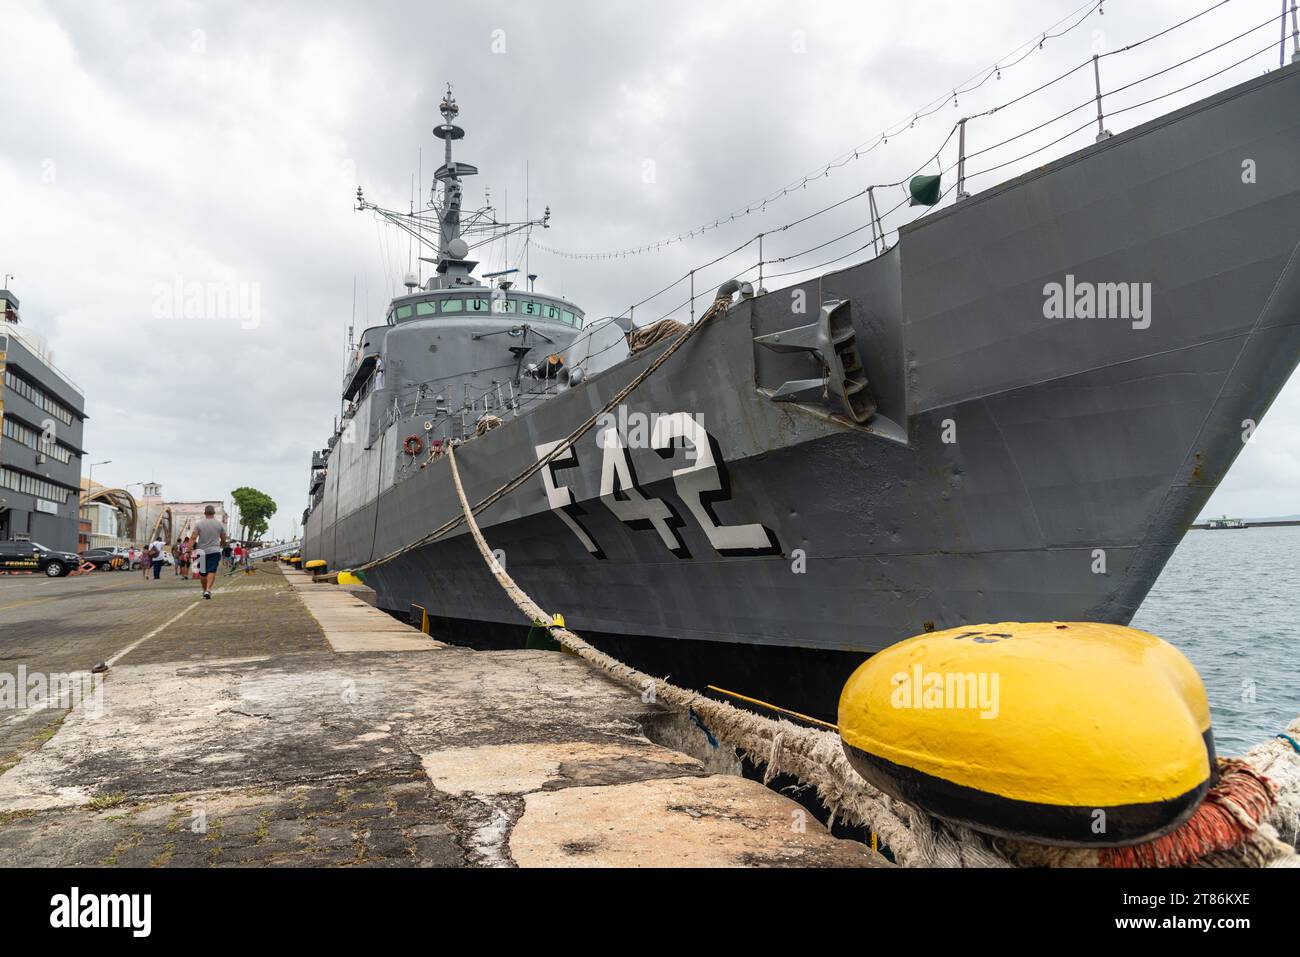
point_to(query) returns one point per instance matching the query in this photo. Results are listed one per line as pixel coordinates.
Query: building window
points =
(38, 398)
(13, 429)
(32, 485)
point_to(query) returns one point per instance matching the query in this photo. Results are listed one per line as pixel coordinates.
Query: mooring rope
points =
(1225, 821)
(1279, 761)
(1229, 829)
(814, 757)
(638, 340)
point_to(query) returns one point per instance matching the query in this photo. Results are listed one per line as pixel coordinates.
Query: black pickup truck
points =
(32, 556)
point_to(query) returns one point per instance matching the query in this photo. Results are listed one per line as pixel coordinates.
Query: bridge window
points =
(500, 305)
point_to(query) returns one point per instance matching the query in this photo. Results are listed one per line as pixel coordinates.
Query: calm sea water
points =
(1230, 601)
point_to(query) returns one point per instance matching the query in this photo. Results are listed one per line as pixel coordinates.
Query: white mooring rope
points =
(814, 757)
(817, 758)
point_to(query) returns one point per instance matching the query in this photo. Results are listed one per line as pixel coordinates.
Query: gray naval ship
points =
(1013, 413)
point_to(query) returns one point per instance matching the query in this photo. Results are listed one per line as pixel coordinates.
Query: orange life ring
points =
(413, 445)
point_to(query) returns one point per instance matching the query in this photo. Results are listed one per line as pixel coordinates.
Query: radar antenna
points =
(445, 214)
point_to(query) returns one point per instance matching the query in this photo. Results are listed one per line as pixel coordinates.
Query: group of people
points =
(201, 552)
(151, 557)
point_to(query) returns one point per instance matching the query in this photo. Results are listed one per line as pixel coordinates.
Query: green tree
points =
(255, 511)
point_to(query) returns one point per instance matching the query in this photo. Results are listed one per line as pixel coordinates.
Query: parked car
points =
(105, 558)
(33, 556)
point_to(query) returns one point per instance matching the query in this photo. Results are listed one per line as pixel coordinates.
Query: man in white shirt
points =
(156, 549)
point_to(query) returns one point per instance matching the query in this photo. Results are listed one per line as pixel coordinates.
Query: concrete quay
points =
(288, 722)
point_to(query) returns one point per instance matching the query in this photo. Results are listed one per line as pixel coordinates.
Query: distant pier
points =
(1250, 523)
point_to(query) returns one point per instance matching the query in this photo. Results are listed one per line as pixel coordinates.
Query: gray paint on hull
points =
(1072, 435)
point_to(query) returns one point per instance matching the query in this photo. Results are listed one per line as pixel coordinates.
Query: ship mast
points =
(449, 175)
(454, 269)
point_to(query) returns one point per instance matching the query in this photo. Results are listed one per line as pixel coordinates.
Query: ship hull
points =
(1028, 460)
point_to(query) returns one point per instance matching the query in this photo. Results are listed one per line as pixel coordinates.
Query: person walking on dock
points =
(156, 549)
(182, 557)
(208, 538)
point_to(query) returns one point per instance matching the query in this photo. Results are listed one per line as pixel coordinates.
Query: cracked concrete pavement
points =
(290, 723)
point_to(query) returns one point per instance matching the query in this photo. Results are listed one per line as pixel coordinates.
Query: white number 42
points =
(701, 484)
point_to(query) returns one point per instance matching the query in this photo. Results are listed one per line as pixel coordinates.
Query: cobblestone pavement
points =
(372, 821)
(24, 730)
(247, 615)
(65, 626)
(70, 624)
(230, 732)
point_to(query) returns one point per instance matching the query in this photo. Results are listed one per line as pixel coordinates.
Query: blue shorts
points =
(212, 562)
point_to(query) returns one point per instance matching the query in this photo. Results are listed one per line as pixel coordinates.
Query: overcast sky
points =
(144, 148)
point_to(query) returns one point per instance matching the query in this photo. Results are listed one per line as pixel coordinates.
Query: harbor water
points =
(1228, 600)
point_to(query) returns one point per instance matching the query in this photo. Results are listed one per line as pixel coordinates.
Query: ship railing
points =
(500, 398)
(1098, 94)
(871, 235)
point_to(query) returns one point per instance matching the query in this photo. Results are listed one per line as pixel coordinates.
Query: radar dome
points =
(458, 248)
